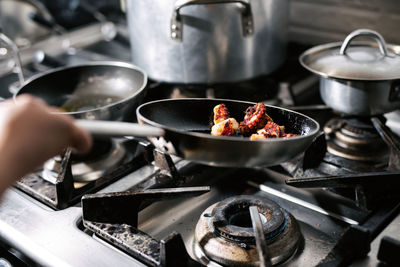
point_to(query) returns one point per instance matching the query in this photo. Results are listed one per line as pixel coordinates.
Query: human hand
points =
(31, 133)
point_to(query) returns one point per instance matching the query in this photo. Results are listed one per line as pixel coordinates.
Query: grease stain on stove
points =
(127, 237)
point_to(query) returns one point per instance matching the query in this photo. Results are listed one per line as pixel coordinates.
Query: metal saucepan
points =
(182, 127)
(357, 78)
(95, 91)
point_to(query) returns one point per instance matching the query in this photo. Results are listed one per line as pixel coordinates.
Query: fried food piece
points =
(221, 113)
(254, 119)
(226, 127)
(256, 124)
(288, 135)
(271, 130)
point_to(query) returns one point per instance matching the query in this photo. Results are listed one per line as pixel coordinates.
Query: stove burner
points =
(105, 155)
(231, 219)
(100, 149)
(225, 235)
(355, 139)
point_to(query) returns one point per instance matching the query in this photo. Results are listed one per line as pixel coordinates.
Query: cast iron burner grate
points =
(365, 183)
(113, 217)
(105, 155)
(65, 192)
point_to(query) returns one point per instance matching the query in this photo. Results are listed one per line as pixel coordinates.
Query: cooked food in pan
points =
(223, 124)
(256, 124)
(221, 113)
(255, 118)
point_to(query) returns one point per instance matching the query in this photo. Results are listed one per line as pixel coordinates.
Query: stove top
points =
(120, 227)
(150, 209)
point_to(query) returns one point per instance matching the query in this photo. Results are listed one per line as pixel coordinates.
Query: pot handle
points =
(177, 25)
(366, 33)
(17, 57)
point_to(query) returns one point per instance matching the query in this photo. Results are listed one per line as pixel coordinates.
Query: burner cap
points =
(224, 233)
(355, 139)
(103, 157)
(231, 218)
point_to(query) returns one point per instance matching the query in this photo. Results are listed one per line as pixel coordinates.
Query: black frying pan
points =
(97, 90)
(187, 123)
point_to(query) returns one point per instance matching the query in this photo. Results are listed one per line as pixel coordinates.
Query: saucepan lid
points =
(354, 60)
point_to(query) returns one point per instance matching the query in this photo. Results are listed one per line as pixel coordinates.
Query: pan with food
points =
(184, 127)
(187, 125)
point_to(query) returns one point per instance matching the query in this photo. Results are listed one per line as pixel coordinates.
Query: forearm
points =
(7, 173)
(9, 169)
(30, 134)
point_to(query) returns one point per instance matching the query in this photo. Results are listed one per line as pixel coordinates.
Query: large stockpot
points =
(357, 78)
(207, 41)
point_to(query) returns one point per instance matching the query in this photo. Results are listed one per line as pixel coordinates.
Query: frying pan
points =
(183, 127)
(102, 90)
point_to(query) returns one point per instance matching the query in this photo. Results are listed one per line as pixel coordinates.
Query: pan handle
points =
(366, 33)
(117, 128)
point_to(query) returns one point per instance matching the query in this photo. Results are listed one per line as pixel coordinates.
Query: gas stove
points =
(330, 205)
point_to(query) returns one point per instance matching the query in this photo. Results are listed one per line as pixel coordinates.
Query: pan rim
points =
(91, 63)
(225, 138)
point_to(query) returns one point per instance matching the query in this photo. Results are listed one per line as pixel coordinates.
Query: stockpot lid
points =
(366, 61)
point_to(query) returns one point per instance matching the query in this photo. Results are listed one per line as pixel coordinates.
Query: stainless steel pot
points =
(359, 79)
(207, 41)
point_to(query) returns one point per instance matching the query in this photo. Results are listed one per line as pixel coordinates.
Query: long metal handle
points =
(366, 33)
(17, 57)
(58, 44)
(109, 29)
(117, 128)
(176, 21)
